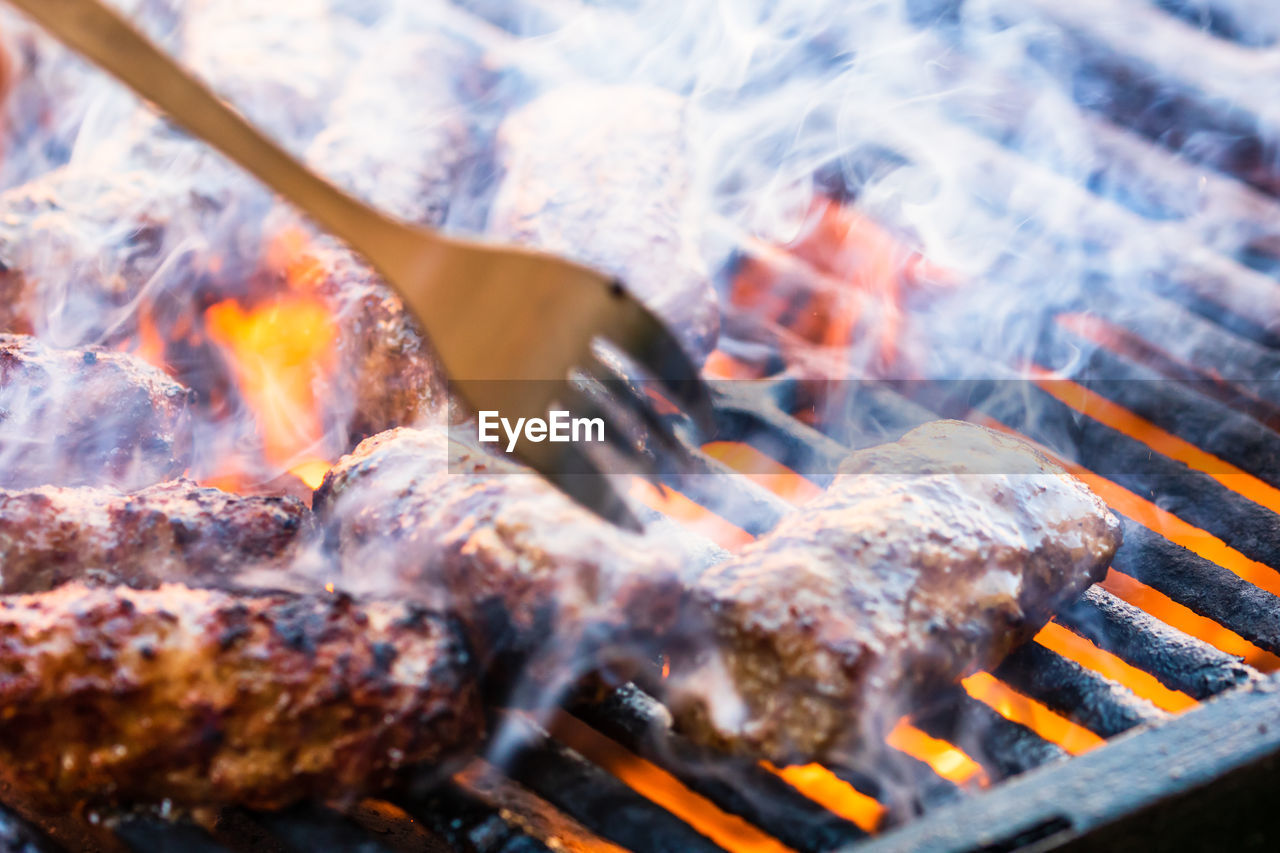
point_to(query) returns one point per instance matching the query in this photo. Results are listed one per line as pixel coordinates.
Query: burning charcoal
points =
(200, 698)
(87, 417)
(175, 531)
(925, 558)
(527, 569)
(603, 174)
(400, 133)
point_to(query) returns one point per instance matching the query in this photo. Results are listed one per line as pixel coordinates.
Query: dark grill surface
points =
(1178, 353)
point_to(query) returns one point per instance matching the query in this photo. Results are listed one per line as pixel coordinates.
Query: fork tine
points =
(586, 397)
(646, 340)
(628, 393)
(575, 474)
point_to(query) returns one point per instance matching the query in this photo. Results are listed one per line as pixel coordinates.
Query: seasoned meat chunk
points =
(278, 63)
(78, 246)
(84, 255)
(385, 373)
(174, 531)
(925, 559)
(525, 568)
(202, 698)
(603, 174)
(86, 417)
(399, 134)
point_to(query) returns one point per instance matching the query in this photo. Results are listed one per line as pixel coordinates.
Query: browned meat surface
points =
(77, 247)
(386, 374)
(906, 574)
(202, 698)
(78, 417)
(400, 133)
(603, 174)
(175, 531)
(525, 568)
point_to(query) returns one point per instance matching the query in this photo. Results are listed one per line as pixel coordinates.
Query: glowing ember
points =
(833, 793)
(1074, 647)
(679, 508)
(1012, 705)
(657, 785)
(845, 277)
(948, 761)
(758, 467)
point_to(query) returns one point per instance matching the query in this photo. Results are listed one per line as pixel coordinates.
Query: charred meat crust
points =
(87, 417)
(526, 569)
(904, 575)
(175, 531)
(202, 698)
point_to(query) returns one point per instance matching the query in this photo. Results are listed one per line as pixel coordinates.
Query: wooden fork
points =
(509, 325)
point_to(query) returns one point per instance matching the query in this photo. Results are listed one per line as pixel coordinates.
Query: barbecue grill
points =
(1146, 716)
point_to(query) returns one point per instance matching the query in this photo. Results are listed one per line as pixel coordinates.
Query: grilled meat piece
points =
(603, 174)
(925, 559)
(77, 247)
(87, 417)
(175, 531)
(386, 374)
(400, 133)
(203, 698)
(278, 63)
(526, 569)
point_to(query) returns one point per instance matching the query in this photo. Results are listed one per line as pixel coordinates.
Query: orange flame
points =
(279, 352)
(832, 793)
(1014, 706)
(1072, 646)
(657, 785)
(761, 469)
(843, 276)
(679, 508)
(948, 761)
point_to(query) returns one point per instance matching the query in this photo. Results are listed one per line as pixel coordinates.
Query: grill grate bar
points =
(150, 834)
(309, 827)
(1201, 585)
(738, 785)
(465, 822)
(1222, 120)
(594, 797)
(1191, 496)
(1079, 694)
(1184, 409)
(1179, 662)
(1003, 748)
